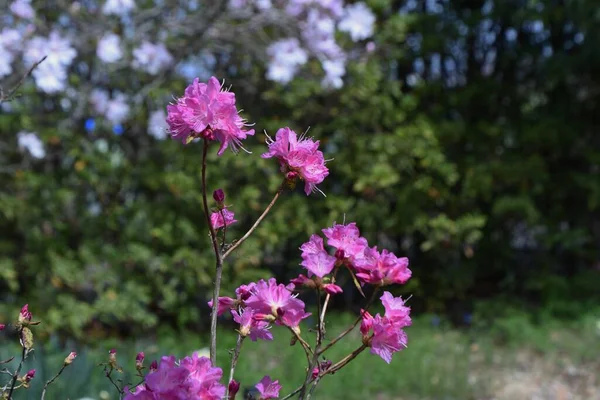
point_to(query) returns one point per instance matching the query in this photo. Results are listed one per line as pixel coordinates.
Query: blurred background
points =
(463, 134)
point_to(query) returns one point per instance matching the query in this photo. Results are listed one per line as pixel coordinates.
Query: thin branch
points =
(11, 92)
(307, 350)
(16, 374)
(351, 328)
(258, 221)
(219, 262)
(48, 383)
(234, 360)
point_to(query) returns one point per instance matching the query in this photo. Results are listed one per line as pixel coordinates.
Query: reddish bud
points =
(153, 366)
(291, 175)
(219, 195)
(30, 375)
(139, 360)
(302, 280)
(69, 359)
(112, 358)
(340, 254)
(2, 326)
(367, 323)
(25, 316)
(234, 387)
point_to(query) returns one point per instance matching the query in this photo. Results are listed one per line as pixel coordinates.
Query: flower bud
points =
(29, 376)
(112, 358)
(340, 254)
(291, 176)
(139, 361)
(25, 316)
(264, 317)
(153, 366)
(366, 324)
(332, 288)
(234, 387)
(219, 196)
(69, 359)
(2, 326)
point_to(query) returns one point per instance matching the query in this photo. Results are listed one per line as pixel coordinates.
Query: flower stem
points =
(347, 331)
(234, 360)
(48, 383)
(16, 374)
(219, 262)
(258, 221)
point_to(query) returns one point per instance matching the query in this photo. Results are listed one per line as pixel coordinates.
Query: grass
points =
(440, 362)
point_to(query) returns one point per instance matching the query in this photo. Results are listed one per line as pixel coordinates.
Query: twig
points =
(234, 360)
(224, 230)
(11, 92)
(219, 262)
(258, 221)
(307, 350)
(121, 391)
(52, 380)
(351, 328)
(16, 374)
(299, 388)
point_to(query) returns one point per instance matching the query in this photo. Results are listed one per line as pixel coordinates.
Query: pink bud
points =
(367, 322)
(208, 134)
(2, 326)
(69, 359)
(25, 315)
(139, 360)
(234, 387)
(291, 175)
(219, 196)
(153, 366)
(30, 374)
(340, 254)
(302, 280)
(332, 288)
(112, 358)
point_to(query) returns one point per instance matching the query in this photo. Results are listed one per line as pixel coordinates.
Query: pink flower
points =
(217, 221)
(313, 246)
(243, 293)
(2, 326)
(268, 388)
(225, 303)
(191, 378)
(319, 264)
(207, 111)
(346, 238)
(271, 298)
(298, 156)
(292, 318)
(382, 268)
(387, 338)
(395, 310)
(251, 327)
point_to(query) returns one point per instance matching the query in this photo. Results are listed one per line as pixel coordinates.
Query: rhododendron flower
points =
(347, 239)
(207, 111)
(313, 246)
(250, 326)
(268, 388)
(387, 338)
(224, 304)
(319, 264)
(382, 268)
(191, 378)
(292, 318)
(271, 298)
(221, 218)
(298, 156)
(395, 310)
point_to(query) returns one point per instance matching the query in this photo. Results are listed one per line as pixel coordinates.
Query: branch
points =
(52, 380)
(219, 262)
(258, 221)
(11, 92)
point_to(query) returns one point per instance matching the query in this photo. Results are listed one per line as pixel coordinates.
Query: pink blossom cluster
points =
(257, 304)
(385, 335)
(190, 378)
(299, 157)
(369, 265)
(207, 111)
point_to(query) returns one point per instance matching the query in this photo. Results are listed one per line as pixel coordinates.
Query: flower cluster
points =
(352, 251)
(190, 378)
(385, 335)
(298, 157)
(209, 112)
(263, 302)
